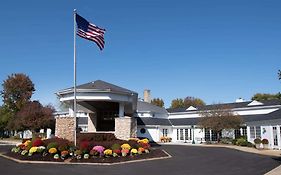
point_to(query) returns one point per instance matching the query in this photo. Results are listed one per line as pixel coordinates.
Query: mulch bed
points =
(154, 153)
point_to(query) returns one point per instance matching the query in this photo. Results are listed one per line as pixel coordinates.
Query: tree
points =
(17, 91)
(177, 103)
(192, 101)
(5, 117)
(219, 118)
(158, 102)
(279, 74)
(34, 116)
(265, 96)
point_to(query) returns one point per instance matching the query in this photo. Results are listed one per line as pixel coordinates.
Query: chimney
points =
(146, 96)
(239, 100)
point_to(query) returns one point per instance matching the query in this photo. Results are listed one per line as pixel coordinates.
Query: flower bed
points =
(57, 149)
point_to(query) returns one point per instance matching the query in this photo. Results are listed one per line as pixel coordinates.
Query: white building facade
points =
(104, 107)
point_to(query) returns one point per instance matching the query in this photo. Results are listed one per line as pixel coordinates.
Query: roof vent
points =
(239, 100)
(255, 103)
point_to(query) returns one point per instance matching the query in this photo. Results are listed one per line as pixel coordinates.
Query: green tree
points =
(279, 74)
(33, 116)
(265, 96)
(192, 101)
(219, 118)
(177, 103)
(158, 102)
(5, 117)
(17, 91)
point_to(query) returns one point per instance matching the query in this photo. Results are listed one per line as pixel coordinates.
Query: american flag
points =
(90, 31)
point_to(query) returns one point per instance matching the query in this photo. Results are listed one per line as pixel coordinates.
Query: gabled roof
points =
(98, 86)
(230, 105)
(248, 119)
(148, 107)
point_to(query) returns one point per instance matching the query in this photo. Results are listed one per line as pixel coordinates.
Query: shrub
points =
(37, 142)
(28, 146)
(52, 151)
(62, 148)
(94, 152)
(264, 141)
(115, 146)
(107, 152)
(241, 142)
(126, 146)
(40, 149)
(33, 149)
(64, 153)
(134, 151)
(98, 137)
(84, 146)
(257, 141)
(99, 149)
(226, 140)
(78, 152)
(52, 145)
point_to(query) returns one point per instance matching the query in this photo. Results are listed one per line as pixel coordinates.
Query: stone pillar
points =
(121, 109)
(65, 127)
(125, 127)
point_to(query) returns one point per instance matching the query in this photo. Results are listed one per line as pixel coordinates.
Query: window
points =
(178, 134)
(181, 134)
(237, 133)
(214, 136)
(255, 132)
(186, 134)
(142, 130)
(165, 132)
(258, 132)
(207, 135)
(275, 139)
(252, 132)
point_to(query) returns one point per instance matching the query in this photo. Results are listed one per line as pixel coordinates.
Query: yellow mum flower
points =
(126, 146)
(53, 150)
(33, 149)
(134, 151)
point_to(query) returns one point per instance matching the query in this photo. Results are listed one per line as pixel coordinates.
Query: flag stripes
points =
(90, 31)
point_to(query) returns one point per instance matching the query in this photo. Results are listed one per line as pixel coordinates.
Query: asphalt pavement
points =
(185, 160)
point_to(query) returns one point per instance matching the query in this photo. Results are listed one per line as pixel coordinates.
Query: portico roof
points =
(97, 86)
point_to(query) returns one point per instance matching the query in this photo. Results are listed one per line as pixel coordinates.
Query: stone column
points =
(125, 127)
(65, 127)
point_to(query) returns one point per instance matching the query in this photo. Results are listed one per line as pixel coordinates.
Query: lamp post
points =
(193, 142)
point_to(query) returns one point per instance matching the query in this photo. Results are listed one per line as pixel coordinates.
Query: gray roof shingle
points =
(230, 105)
(100, 85)
(153, 121)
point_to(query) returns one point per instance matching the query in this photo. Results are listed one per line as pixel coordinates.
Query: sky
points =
(215, 50)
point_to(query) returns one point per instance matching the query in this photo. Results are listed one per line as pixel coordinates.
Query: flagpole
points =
(74, 89)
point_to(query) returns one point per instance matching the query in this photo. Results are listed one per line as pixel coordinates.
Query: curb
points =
(85, 163)
(275, 171)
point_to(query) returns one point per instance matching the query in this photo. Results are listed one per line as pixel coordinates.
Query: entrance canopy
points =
(92, 95)
(104, 102)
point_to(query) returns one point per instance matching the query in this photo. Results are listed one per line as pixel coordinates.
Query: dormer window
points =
(191, 108)
(255, 103)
